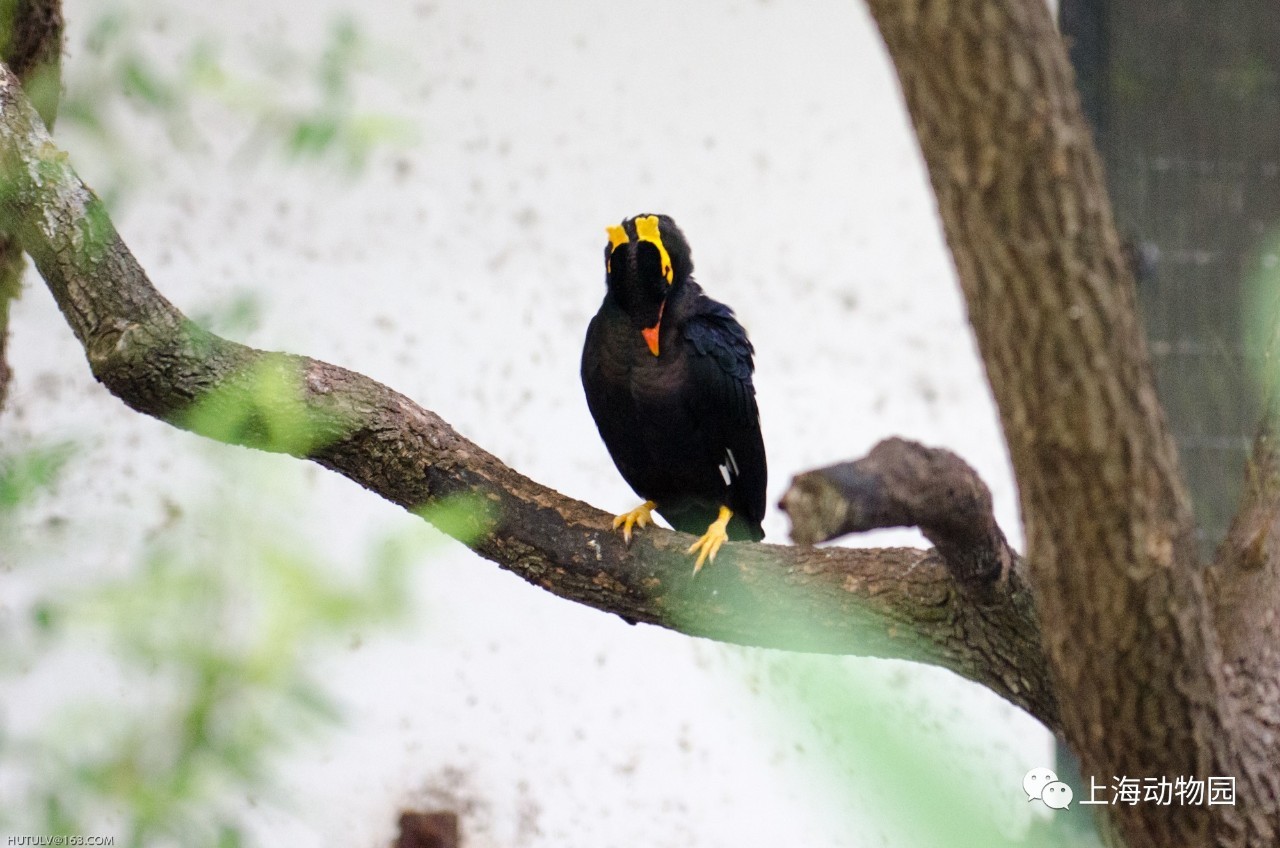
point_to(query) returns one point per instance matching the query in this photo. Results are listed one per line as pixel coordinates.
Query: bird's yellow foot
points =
(638, 517)
(712, 539)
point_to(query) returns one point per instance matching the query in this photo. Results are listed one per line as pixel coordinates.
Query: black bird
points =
(667, 372)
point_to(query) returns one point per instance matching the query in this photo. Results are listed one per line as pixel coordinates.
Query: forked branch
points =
(888, 602)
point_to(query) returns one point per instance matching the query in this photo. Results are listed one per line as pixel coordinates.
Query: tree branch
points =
(905, 484)
(891, 603)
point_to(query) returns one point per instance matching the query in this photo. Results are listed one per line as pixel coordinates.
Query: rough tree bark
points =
(1165, 670)
(1129, 629)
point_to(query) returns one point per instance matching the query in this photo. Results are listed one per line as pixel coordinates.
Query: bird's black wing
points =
(722, 401)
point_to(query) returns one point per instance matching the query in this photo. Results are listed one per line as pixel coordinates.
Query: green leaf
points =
(24, 475)
(265, 406)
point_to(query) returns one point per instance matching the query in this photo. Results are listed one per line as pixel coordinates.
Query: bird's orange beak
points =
(651, 333)
(651, 337)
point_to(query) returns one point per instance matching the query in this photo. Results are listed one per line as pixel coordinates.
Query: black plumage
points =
(667, 373)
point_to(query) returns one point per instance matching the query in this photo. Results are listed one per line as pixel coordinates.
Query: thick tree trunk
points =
(1128, 628)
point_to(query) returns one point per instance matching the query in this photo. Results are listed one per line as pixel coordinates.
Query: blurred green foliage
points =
(869, 752)
(24, 475)
(1262, 308)
(301, 107)
(213, 642)
(925, 790)
(236, 315)
(200, 661)
(265, 407)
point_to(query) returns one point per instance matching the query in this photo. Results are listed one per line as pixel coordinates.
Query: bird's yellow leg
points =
(638, 517)
(712, 539)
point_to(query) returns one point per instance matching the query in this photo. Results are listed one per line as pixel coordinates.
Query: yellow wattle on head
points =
(647, 230)
(617, 235)
(617, 238)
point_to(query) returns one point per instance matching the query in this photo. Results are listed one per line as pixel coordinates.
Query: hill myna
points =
(667, 373)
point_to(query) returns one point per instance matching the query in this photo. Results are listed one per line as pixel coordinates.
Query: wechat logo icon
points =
(1043, 785)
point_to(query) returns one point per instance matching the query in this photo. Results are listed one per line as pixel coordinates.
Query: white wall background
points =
(462, 270)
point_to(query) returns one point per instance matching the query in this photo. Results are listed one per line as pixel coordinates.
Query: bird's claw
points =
(707, 546)
(638, 517)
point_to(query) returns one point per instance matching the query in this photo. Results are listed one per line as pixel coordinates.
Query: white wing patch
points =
(729, 468)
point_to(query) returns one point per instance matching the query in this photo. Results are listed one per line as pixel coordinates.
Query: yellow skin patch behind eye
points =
(617, 236)
(647, 230)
